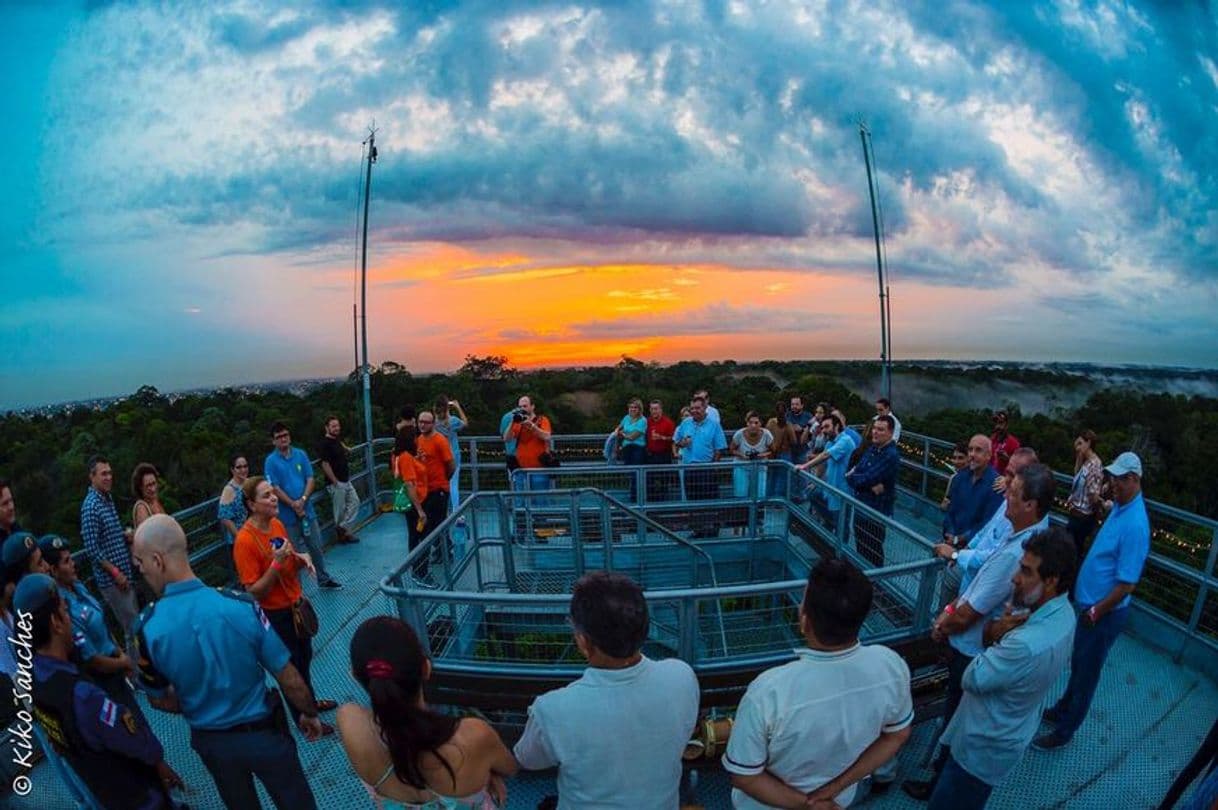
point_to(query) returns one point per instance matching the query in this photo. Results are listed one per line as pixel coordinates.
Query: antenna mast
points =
(885, 308)
(369, 462)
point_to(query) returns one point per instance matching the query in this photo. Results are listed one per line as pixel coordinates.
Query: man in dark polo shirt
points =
(343, 497)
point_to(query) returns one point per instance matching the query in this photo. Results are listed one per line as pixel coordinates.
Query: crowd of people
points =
(1027, 601)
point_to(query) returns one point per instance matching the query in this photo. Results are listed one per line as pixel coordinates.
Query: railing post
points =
(754, 474)
(925, 465)
(928, 588)
(577, 542)
(687, 615)
(1203, 591)
(474, 485)
(507, 528)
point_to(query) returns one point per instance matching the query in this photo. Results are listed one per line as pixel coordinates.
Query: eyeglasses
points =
(426, 421)
(283, 435)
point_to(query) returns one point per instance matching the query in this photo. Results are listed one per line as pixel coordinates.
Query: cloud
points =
(715, 319)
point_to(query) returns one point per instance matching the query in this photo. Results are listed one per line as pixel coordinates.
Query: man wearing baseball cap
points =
(20, 555)
(1101, 596)
(109, 746)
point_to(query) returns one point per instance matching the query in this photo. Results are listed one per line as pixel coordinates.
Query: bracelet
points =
(950, 609)
(277, 566)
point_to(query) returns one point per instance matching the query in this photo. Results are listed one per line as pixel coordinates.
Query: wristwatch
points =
(955, 555)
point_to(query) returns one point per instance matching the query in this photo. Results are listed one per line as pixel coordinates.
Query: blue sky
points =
(568, 182)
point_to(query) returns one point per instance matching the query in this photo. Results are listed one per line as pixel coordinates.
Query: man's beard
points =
(1030, 600)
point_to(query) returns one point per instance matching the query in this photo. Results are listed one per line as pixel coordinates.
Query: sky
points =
(568, 183)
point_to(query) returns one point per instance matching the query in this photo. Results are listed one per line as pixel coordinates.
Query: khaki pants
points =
(345, 501)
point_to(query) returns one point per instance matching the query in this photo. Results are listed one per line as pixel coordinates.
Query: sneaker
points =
(1048, 742)
(1051, 716)
(917, 789)
(330, 585)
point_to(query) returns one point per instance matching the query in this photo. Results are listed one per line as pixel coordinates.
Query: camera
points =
(519, 415)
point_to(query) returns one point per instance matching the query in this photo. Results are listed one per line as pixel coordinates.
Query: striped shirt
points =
(103, 537)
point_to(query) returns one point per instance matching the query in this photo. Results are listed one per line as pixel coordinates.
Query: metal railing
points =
(1179, 585)
(496, 594)
(205, 535)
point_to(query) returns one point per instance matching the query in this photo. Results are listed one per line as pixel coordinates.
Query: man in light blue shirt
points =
(701, 441)
(448, 425)
(993, 534)
(1029, 497)
(617, 733)
(1005, 684)
(839, 446)
(290, 472)
(1105, 581)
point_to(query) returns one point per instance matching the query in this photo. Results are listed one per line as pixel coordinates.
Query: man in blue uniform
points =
(202, 652)
(108, 745)
(99, 654)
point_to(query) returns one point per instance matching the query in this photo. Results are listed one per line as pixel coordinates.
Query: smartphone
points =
(277, 543)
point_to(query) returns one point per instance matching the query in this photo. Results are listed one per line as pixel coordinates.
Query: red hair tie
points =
(379, 668)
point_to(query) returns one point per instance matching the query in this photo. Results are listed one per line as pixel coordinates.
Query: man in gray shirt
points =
(616, 734)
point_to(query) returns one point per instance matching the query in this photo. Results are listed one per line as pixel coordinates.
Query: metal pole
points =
(369, 461)
(885, 372)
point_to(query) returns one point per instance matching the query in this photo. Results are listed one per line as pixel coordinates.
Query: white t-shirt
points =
(616, 735)
(807, 721)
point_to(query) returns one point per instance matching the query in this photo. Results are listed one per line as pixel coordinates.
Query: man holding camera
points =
(531, 433)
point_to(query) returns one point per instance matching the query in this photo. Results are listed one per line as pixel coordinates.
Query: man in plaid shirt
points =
(107, 545)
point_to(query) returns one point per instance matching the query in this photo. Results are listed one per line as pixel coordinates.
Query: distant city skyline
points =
(565, 185)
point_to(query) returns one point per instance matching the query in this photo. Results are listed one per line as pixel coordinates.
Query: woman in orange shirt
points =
(269, 569)
(413, 475)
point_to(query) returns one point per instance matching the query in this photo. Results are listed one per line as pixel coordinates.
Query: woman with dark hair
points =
(269, 569)
(145, 486)
(231, 510)
(786, 439)
(411, 491)
(1083, 503)
(406, 754)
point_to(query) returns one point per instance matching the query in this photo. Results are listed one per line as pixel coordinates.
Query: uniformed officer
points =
(20, 556)
(203, 652)
(98, 652)
(110, 747)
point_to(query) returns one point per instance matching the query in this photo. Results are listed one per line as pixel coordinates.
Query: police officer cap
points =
(52, 545)
(18, 548)
(33, 591)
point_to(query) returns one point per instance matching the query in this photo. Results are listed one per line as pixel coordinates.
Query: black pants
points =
(435, 506)
(413, 538)
(634, 455)
(956, 664)
(300, 650)
(702, 485)
(870, 534)
(234, 758)
(660, 485)
(1205, 759)
(1080, 528)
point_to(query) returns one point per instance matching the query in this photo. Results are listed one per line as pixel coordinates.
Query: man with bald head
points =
(203, 653)
(972, 500)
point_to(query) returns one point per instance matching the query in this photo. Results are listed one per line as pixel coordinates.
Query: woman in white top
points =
(751, 443)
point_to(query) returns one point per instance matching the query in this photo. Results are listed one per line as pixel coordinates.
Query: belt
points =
(265, 724)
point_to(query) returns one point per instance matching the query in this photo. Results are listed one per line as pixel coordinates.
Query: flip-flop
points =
(326, 705)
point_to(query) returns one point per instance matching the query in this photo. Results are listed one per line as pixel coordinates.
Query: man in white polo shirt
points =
(617, 733)
(811, 729)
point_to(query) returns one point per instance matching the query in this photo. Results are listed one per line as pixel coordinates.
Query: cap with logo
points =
(18, 548)
(52, 545)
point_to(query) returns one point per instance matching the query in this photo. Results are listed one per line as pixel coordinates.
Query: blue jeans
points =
(1091, 646)
(313, 545)
(234, 758)
(957, 789)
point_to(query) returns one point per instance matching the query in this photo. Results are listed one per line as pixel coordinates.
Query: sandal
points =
(326, 705)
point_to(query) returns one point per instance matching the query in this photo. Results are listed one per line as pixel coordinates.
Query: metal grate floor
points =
(1148, 718)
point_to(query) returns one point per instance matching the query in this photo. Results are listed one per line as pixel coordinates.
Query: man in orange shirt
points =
(532, 435)
(436, 455)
